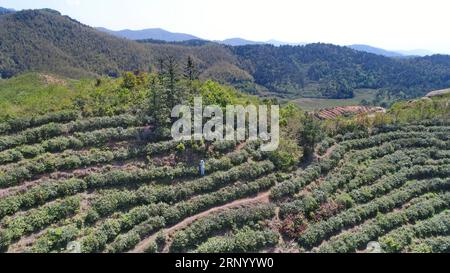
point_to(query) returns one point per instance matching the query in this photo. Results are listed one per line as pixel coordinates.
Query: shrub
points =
(243, 241)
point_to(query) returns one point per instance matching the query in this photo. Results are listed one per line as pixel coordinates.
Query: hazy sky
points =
(390, 24)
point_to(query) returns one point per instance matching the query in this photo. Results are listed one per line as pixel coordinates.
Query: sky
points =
(389, 24)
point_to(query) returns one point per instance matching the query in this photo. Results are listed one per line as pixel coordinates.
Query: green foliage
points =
(310, 134)
(152, 247)
(440, 244)
(15, 174)
(78, 140)
(243, 241)
(18, 124)
(286, 156)
(325, 70)
(129, 81)
(399, 239)
(55, 239)
(381, 180)
(15, 227)
(191, 207)
(133, 80)
(201, 229)
(324, 229)
(422, 208)
(70, 48)
(27, 96)
(345, 200)
(44, 41)
(427, 108)
(160, 240)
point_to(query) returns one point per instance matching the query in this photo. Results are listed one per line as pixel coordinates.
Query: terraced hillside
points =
(105, 183)
(367, 188)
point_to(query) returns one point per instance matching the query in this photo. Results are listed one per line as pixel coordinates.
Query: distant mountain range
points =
(375, 50)
(150, 33)
(44, 40)
(394, 54)
(416, 52)
(159, 34)
(5, 10)
(167, 36)
(243, 42)
(239, 42)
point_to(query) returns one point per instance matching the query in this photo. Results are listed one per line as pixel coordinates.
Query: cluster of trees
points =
(309, 135)
(169, 88)
(87, 51)
(340, 70)
(332, 71)
(173, 83)
(337, 89)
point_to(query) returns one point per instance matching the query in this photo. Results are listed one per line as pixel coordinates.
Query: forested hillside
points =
(43, 40)
(338, 71)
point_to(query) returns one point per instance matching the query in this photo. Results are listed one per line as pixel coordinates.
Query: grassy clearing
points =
(316, 104)
(30, 94)
(34, 94)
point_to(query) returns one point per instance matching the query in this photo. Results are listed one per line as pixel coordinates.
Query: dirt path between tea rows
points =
(143, 245)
